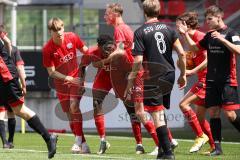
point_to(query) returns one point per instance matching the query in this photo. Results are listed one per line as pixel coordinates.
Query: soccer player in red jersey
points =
(196, 94)
(222, 45)
(11, 94)
(17, 59)
(103, 83)
(60, 59)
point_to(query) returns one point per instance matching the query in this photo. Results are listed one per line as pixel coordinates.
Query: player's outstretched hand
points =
(182, 82)
(217, 35)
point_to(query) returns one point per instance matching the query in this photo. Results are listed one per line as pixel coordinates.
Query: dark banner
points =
(37, 76)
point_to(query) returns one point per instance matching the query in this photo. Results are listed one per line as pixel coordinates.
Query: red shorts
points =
(199, 89)
(150, 109)
(102, 81)
(65, 93)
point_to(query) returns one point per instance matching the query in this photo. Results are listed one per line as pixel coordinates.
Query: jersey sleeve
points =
(47, 60)
(233, 37)
(138, 44)
(79, 43)
(203, 43)
(119, 35)
(174, 36)
(19, 60)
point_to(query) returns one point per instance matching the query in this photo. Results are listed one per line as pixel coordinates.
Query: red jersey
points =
(63, 57)
(96, 55)
(199, 56)
(123, 33)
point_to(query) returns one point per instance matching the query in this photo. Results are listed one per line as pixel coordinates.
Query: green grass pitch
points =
(30, 146)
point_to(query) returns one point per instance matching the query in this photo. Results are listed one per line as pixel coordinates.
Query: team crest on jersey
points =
(69, 45)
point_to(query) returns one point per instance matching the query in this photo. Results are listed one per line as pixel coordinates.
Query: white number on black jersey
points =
(159, 37)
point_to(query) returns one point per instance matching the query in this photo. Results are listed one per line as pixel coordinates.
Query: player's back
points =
(156, 41)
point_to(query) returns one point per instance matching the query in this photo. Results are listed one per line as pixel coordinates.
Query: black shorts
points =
(158, 94)
(222, 95)
(11, 93)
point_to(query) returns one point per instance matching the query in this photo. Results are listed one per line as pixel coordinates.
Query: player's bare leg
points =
(191, 116)
(35, 123)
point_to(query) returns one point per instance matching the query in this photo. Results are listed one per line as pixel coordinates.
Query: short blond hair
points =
(115, 8)
(151, 8)
(55, 24)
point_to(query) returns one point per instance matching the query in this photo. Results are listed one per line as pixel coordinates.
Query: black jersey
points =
(221, 65)
(155, 42)
(9, 70)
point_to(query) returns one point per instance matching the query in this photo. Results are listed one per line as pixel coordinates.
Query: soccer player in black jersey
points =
(222, 45)
(153, 43)
(11, 95)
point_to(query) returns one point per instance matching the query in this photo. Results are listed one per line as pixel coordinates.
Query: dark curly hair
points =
(104, 39)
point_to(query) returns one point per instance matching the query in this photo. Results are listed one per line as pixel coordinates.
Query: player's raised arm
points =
(183, 30)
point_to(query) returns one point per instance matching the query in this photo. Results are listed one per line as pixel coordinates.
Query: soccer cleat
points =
(154, 152)
(199, 142)
(85, 148)
(76, 149)
(140, 149)
(6, 146)
(216, 152)
(10, 145)
(174, 144)
(104, 145)
(52, 146)
(164, 156)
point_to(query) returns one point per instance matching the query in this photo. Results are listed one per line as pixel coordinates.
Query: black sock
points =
(216, 129)
(164, 143)
(3, 132)
(37, 125)
(11, 128)
(236, 123)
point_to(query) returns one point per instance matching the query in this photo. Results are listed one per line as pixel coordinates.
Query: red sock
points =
(170, 137)
(207, 130)
(151, 129)
(136, 128)
(99, 122)
(193, 122)
(72, 128)
(77, 125)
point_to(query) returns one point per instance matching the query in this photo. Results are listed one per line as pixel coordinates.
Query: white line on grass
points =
(121, 137)
(67, 154)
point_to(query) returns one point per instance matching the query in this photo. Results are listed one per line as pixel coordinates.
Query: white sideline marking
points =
(83, 155)
(119, 137)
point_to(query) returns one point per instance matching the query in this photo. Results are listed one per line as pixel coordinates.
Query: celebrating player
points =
(222, 45)
(196, 94)
(60, 59)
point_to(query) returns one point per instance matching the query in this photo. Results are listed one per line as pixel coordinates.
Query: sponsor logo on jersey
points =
(66, 58)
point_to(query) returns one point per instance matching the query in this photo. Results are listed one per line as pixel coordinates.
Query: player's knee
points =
(231, 115)
(97, 105)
